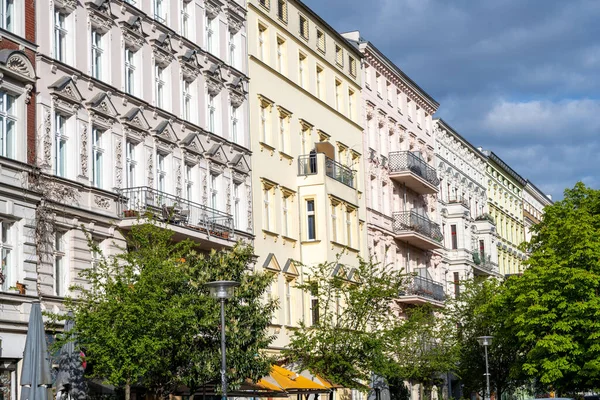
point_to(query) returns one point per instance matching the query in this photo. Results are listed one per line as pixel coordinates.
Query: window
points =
(368, 77)
(389, 92)
(97, 155)
(214, 191)
(349, 227)
(7, 15)
(159, 81)
(456, 285)
(283, 132)
(302, 70)
(282, 10)
(265, 113)
(352, 66)
(339, 56)
(267, 207)
(338, 95)
(8, 125)
(234, 124)
(321, 40)
(265, 3)
(379, 82)
(280, 55)
(211, 33)
(285, 217)
(212, 110)
(409, 109)
(399, 101)
(320, 81)
(454, 237)
(60, 36)
(482, 249)
(262, 42)
(186, 100)
(385, 198)
(130, 66)
(131, 162)
(351, 103)
(418, 116)
(160, 13)
(97, 51)
(288, 302)
(95, 253)
(161, 171)
(310, 220)
(232, 50)
(236, 205)
(189, 182)
(314, 305)
(334, 222)
(303, 26)
(60, 156)
(185, 19)
(59, 264)
(6, 248)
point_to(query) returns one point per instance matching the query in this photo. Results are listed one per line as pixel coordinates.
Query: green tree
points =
(556, 302)
(144, 316)
(354, 308)
(478, 311)
(422, 347)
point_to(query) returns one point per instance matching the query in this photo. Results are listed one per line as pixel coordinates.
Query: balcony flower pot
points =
(130, 213)
(21, 287)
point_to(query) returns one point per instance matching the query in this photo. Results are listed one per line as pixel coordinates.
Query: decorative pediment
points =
(100, 16)
(290, 268)
(16, 64)
(213, 8)
(190, 66)
(217, 154)
(132, 32)
(162, 49)
(340, 272)
(271, 263)
(192, 143)
(237, 91)
(164, 130)
(240, 164)
(135, 119)
(101, 104)
(236, 15)
(66, 89)
(214, 79)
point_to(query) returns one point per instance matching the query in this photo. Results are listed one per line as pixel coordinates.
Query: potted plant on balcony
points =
(130, 213)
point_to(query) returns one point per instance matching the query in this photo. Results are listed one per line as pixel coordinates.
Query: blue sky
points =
(519, 77)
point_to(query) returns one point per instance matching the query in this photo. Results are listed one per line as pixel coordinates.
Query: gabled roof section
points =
(192, 142)
(271, 263)
(290, 268)
(165, 131)
(217, 154)
(65, 87)
(135, 119)
(101, 104)
(240, 163)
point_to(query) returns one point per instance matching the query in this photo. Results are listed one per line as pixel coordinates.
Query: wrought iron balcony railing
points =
(145, 201)
(401, 161)
(308, 165)
(413, 222)
(459, 200)
(484, 261)
(425, 287)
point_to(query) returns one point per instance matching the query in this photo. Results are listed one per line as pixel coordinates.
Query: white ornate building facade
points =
(401, 182)
(469, 233)
(534, 201)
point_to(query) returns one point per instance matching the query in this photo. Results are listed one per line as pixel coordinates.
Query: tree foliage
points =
(144, 316)
(556, 303)
(355, 308)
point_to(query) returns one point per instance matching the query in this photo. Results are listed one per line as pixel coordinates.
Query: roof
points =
(491, 155)
(543, 195)
(465, 141)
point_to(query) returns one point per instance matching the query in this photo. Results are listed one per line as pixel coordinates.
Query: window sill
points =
(289, 239)
(345, 246)
(283, 154)
(313, 241)
(266, 146)
(267, 232)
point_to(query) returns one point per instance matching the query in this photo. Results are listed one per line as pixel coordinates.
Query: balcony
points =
(309, 165)
(186, 217)
(417, 230)
(460, 200)
(423, 290)
(408, 168)
(483, 264)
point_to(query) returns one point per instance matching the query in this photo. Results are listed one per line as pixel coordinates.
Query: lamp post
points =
(222, 290)
(486, 341)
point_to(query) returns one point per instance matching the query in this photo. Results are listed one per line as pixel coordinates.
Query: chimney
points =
(549, 196)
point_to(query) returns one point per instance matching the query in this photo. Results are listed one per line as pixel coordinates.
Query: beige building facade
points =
(306, 138)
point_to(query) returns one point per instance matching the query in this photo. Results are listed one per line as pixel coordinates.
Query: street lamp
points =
(486, 341)
(222, 290)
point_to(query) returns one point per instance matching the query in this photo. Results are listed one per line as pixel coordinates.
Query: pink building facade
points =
(401, 182)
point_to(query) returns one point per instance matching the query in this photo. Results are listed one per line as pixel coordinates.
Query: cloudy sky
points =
(519, 77)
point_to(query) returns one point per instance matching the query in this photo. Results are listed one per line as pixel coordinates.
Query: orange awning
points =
(292, 382)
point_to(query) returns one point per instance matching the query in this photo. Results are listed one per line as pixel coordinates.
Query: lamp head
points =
(485, 340)
(221, 289)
